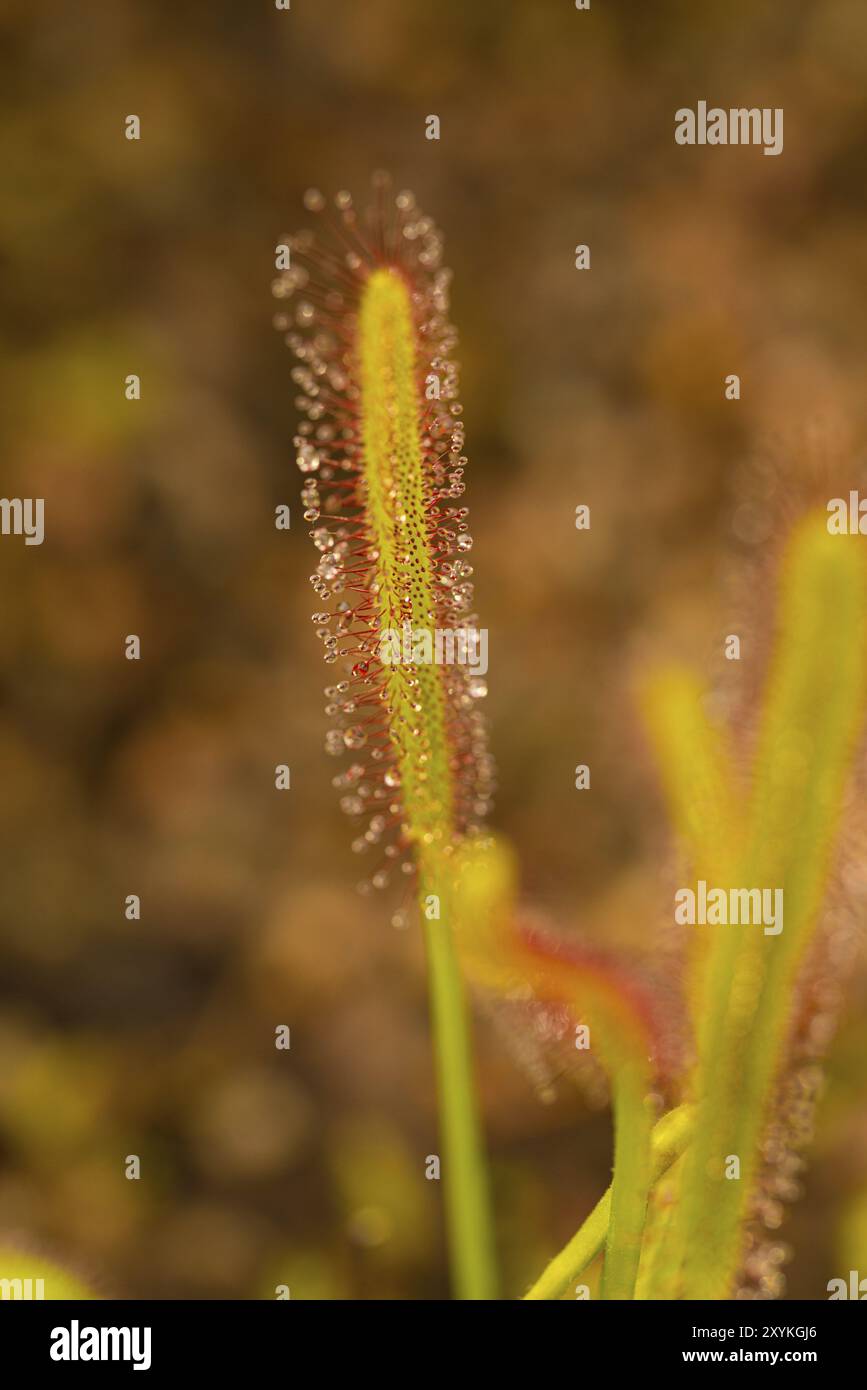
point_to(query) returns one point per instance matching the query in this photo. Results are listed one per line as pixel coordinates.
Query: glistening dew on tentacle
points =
(381, 451)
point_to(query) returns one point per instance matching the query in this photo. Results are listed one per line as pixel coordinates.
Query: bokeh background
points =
(156, 1038)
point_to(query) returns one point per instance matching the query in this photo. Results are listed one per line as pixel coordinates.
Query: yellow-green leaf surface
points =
(811, 716)
(397, 519)
(48, 1280)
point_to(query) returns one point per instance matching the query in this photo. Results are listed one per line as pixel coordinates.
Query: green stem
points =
(467, 1197)
(630, 1184)
(668, 1140)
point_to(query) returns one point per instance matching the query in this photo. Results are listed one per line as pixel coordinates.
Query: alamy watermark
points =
(77, 1343)
(440, 646)
(724, 907)
(847, 516)
(739, 125)
(23, 516)
(22, 1289)
(855, 1287)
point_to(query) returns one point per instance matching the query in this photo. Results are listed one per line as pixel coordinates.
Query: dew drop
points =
(308, 458)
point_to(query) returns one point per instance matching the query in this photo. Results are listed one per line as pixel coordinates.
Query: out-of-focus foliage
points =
(28, 1274)
(778, 825)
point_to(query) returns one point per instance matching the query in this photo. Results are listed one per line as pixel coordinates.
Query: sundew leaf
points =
(696, 768)
(811, 717)
(381, 451)
(625, 1029)
(397, 520)
(364, 307)
(703, 791)
(503, 952)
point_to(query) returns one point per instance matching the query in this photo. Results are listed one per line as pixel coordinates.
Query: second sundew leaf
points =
(695, 763)
(505, 952)
(625, 1029)
(626, 1032)
(703, 791)
(705, 804)
(812, 715)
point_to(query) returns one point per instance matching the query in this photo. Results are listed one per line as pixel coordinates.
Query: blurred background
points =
(156, 777)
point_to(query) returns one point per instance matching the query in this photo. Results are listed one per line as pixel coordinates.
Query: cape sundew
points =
(382, 454)
(381, 451)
